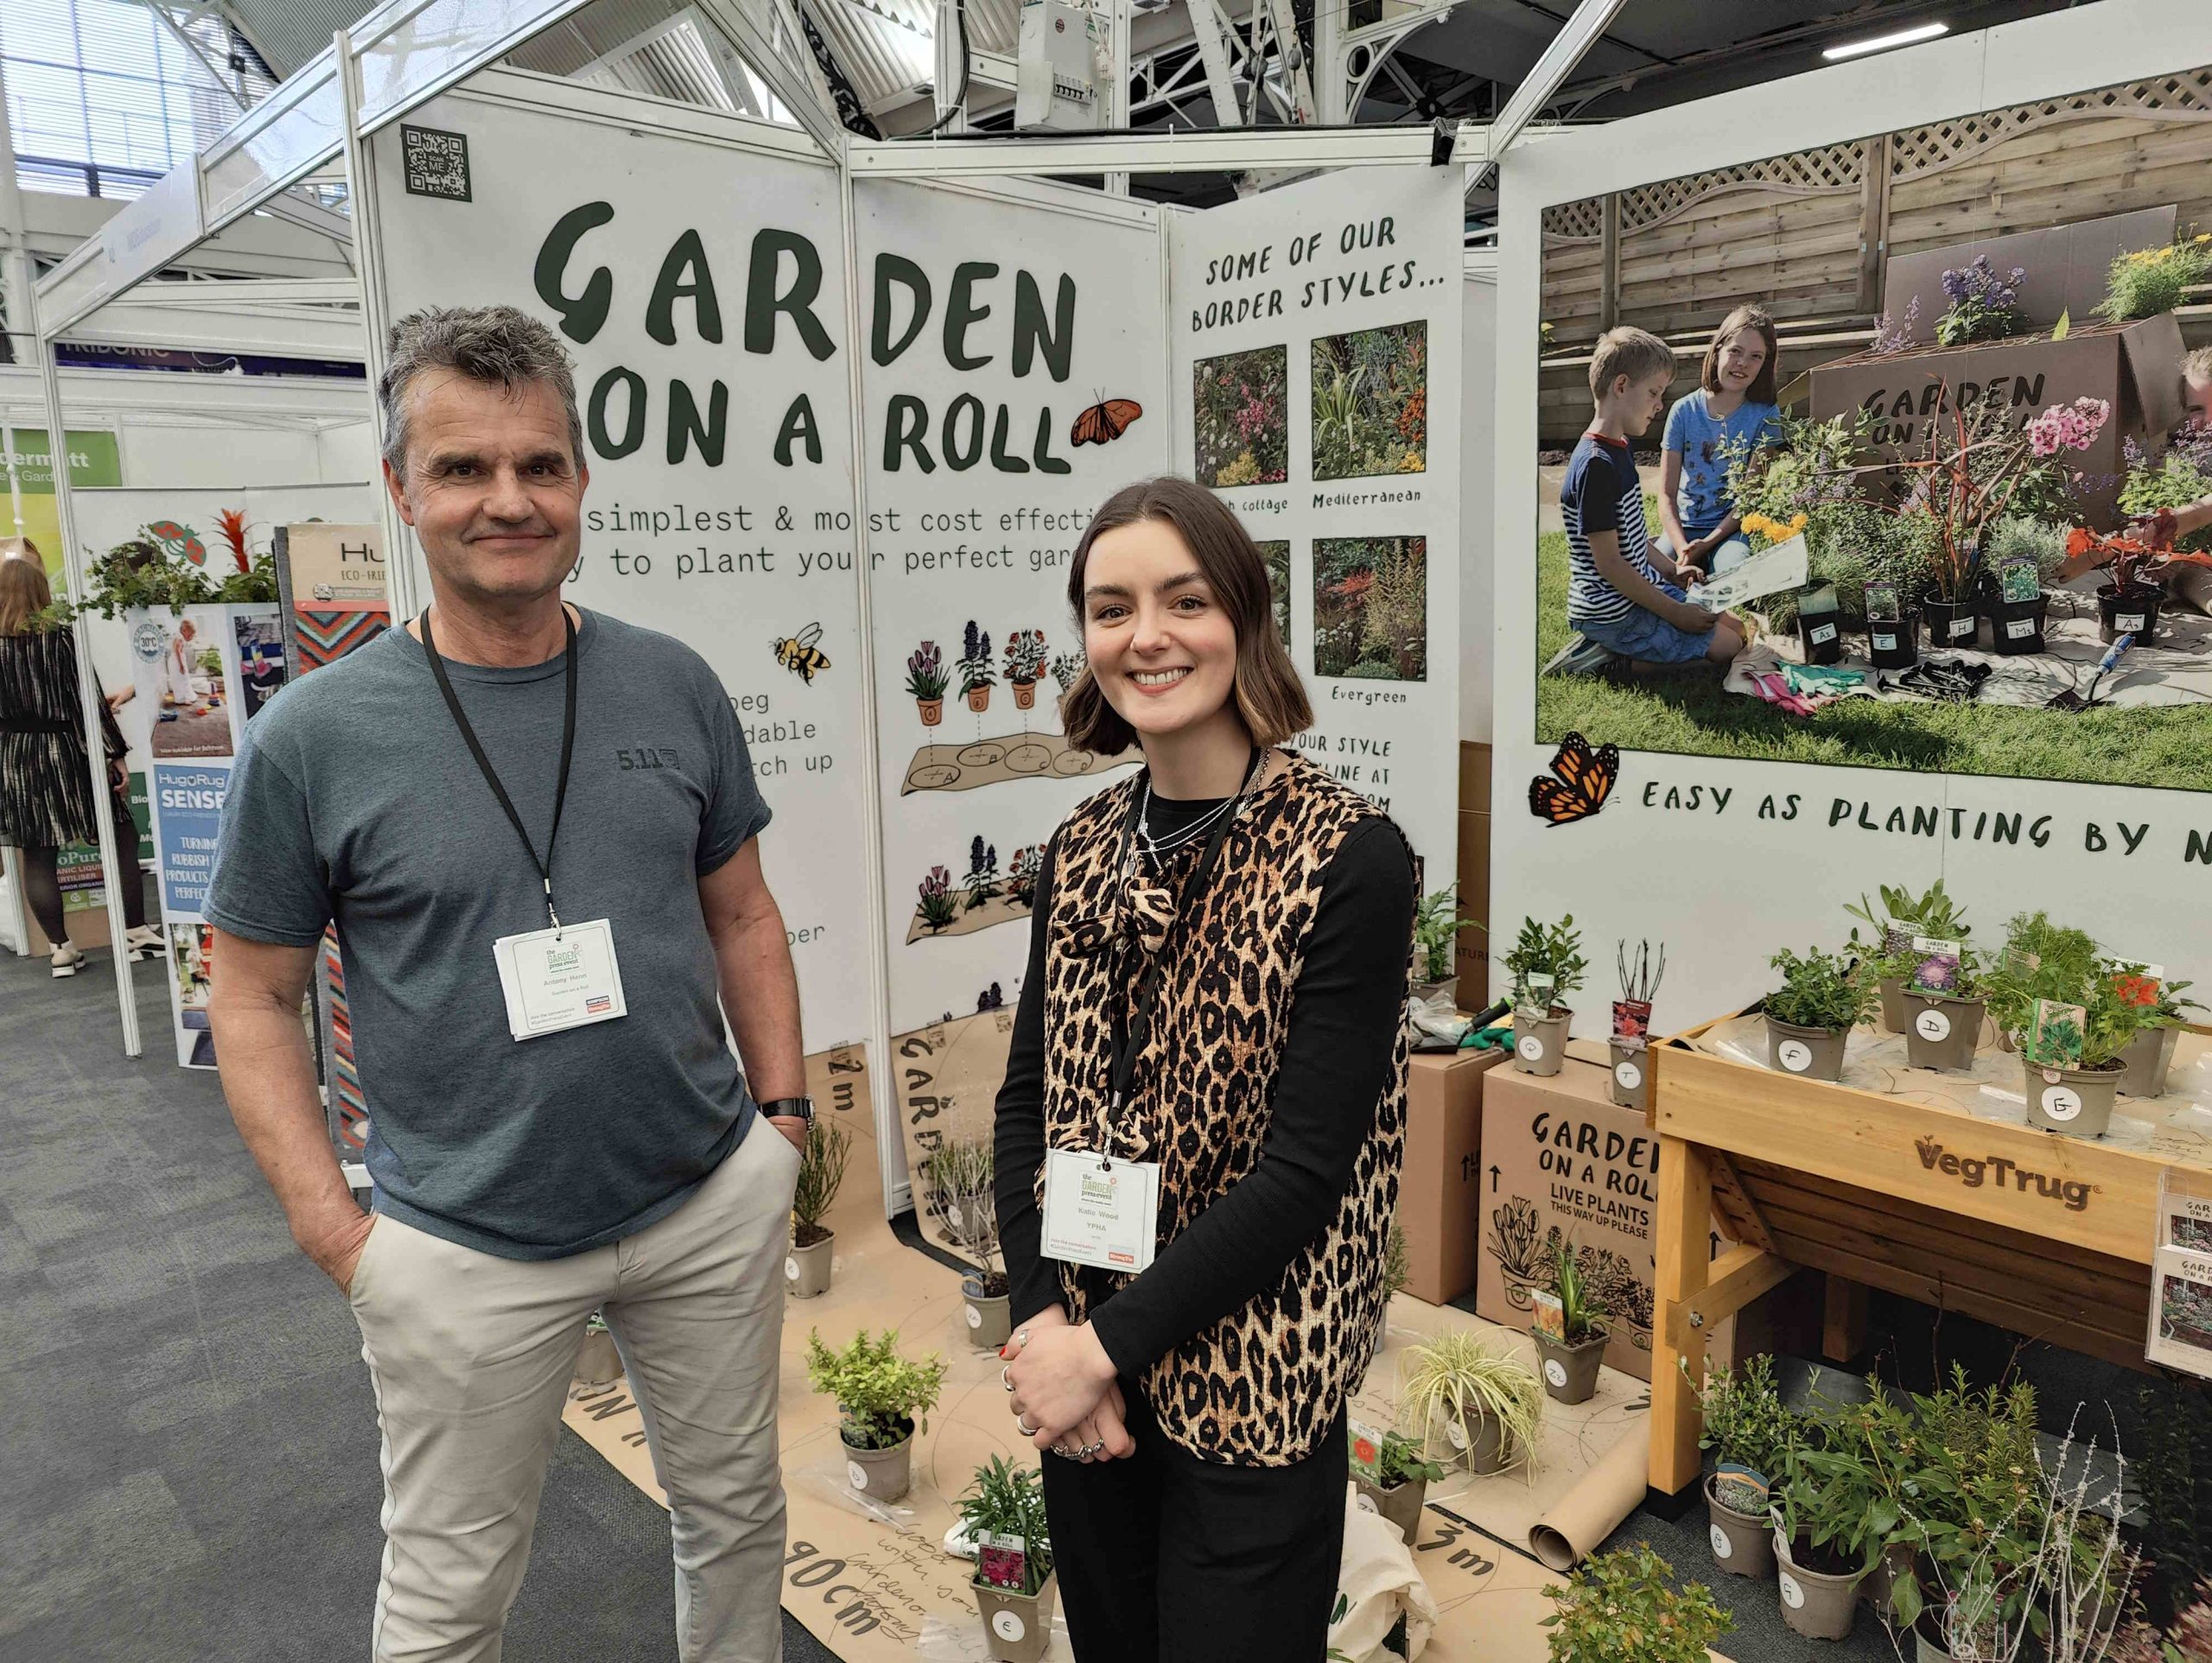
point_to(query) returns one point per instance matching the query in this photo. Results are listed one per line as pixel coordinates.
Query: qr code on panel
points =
(437, 163)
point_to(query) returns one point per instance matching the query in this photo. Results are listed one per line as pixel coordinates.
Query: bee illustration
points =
(799, 655)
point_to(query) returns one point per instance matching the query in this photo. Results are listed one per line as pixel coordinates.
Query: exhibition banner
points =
(95, 459)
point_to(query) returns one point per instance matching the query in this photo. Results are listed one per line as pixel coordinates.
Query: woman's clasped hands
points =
(1061, 1388)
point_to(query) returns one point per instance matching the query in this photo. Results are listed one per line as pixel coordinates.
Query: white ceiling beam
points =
(1232, 150)
(1576, 38)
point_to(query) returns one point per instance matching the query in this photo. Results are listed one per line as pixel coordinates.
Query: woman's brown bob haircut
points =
(1269, 697)
(1761, 391)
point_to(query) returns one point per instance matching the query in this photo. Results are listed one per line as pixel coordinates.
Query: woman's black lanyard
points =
(490, 777)
(1133, 1030)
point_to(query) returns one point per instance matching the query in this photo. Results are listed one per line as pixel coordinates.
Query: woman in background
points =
(1733, 406)
(46, 790)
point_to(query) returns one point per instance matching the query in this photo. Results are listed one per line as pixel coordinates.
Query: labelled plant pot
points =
(1892, 1004)
(1815, 1603)
(1821, 635)
(2133, 611)
(1539, 1047)
(1892, 644)
(932, 711)
(1478, 1448)
(1941, 1033)
(1630, 1083)
(1951, 624)
(2016, 626)
(1017, 1626)
(979, 699)
(1570, 1372)
(2148, 1059)
(1879, 1590)
(2006, 1042)
(1743, 1543)
(1808, 1053)
(598, 1362)
(881, 1474)
(989, 1325)
(2075, 1101)
(1025, 694)
(1401, 1504)
(806, 1270)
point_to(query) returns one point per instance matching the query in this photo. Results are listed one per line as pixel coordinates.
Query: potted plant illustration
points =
(1025, 662)
(925, 680)
(598, 1362)
(959, 1175)
(821, 1172)
(2151, 1054)
(1822, 998)
(1022, 873)
(1825, 1540)
(976, 676)
(1003, 1515)
(1943, 1004)
(1887, 953)
(1621, 1608)
(1570, 1328)
(937, 909)
(983, 879)
(1471, 1400)
(1436, 923)
(1546, 965)
(1065, 668)
(1392, 1476)
(2075, 1049)
(1749, 1430)
(882, 1399)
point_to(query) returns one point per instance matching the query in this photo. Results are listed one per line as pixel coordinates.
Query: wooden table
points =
(1928, 1186)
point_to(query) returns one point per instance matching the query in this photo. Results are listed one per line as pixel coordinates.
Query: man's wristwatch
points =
(797, 1109)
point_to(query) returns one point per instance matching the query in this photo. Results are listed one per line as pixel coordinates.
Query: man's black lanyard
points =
(1132, 1031)
(490, 777)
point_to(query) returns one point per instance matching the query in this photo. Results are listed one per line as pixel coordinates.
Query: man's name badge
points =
(1101, 1213)
(557, 978)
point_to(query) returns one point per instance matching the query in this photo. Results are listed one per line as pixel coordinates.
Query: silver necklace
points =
(1158, 848)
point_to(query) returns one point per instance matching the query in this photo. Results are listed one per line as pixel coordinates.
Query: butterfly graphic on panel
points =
(1580, 780)
(1105, 422)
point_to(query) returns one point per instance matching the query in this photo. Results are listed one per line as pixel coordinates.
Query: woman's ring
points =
(1006, 1377)
(1028, 1430)
(1022, 1339)
(1090, 1449)
(1064, 1452)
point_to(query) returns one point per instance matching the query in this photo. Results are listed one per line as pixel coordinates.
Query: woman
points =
(1217, 969)
(45, 794)
(1734, 405)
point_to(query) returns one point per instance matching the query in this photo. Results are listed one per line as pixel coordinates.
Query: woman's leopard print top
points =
(1261, 1386)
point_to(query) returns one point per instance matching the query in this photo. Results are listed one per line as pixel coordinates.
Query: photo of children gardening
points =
(1949, 513)
(1370, 609)
(1370, 402)
(1242, 406)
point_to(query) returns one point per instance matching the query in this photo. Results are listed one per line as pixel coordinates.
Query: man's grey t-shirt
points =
(355, 799)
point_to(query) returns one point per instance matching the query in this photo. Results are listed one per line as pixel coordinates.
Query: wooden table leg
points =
(1682, 1250)
(1843, 1328)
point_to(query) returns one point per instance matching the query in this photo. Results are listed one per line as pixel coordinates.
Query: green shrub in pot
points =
(1008, 1501)
(2041, 959)
(1572, 1356)
(1545, 965)
(1620, 1607)
(1886, 951)
(1822, 998)
(1746, 1427)
(882, 1399)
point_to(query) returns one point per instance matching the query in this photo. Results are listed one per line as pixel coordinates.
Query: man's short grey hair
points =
(484, 343)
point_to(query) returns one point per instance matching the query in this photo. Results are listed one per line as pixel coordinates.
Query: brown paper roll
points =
(1593, 1509)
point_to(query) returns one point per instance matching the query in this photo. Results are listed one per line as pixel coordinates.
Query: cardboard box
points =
(1559, 1158)
(2067, 266)
(1441, 1182)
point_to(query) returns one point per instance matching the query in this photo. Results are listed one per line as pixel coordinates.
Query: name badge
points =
(558, 979)
(1098, 1214)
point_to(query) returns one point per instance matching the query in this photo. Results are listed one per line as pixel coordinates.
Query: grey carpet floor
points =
(186, 1436)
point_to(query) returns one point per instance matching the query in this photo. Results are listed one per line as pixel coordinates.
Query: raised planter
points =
(2016, 626)
(1812, 1053)
(1630, 1083)
(1815, 1603)
(2147, 1061)
(1540, 1047)
(1401, 1504)
(1891, 643)
(1940, 1033)
(2075, 1101)
(1951, 624)
(989, 1324)
(1743, 1543)
(1570, 1372)
(1017, 1626)
(2129, 612)
(806, 1270)
(881, 1474)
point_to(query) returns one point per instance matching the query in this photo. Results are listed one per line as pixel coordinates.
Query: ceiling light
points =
(1883, 42)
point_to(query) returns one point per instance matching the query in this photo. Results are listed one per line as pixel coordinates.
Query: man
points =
(557, 1124)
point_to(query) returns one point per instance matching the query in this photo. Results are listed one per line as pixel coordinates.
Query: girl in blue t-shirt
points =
(1734, 401)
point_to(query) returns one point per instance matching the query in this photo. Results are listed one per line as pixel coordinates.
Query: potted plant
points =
(1471, 1400)
(1570, 1328)
(1436, 923)
(1825, 1539)
(1393, 1476)
(2041, 959)
(1984, 305)
(960, 1177)
(1943, 1004)
(2077, 1048)
(821, 1172)
(1748, 1430)
(1630, 1085)
(1618, 1608)
(1546, 965)
(1025, 662)
(598, 1362)
(882, 1399)
(937, 908)
(1822, 998)
(2147, 282)
(1887, 953)
(976, 676)
(925, 680)
(2153, 1052)
(1003, 1515)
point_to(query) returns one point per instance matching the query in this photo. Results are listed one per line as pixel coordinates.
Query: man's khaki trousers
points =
(471, 1357)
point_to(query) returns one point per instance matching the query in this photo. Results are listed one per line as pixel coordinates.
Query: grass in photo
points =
(1243, 405)
(1370, 402)
(1276, 553)
(1370, 609)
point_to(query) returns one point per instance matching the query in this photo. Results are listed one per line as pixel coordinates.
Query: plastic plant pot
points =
(1950, 624)
(1540, 1046)
(1891, 643)
(1630, 1081)
(989, 1326)
(1879, 1590)
(2077, 1102)
(2016, 626)
(1892, 1004)
(1570, 1372)
(881, 1474)
(1808, 1053)
(1401, 1504)
(2147, 1060)
(1941, 1033)
(1821, 634)
(806, 1270)
(1743, 1543)
(1017, 1626)
(2133, 611)
(598, 1362)
(1815, 1603)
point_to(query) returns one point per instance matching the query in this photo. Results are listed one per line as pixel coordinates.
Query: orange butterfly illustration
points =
(1579, 784)
(1105, 422)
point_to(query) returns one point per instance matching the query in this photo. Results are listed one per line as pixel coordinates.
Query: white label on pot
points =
(2019, 629)
(952, 1216)
(1823, 634)
(1961, 628)
(1555, 1372)
(975, 1318)
(2128, 623)
(1364, 1502)
(1456, 1433)
(1008, 1626)
(791, 1270)
(1531, 1047)
(1795, 1055)
(2061, 1102)
(1885, 641)
(1932, 1024)
(1792, 1595)
(856, 1475)
(1629, 1074)
(1722, 1547)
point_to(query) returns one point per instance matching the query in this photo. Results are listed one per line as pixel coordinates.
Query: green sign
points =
(94, 459)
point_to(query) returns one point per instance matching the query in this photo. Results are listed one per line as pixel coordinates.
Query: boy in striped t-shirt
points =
(1622, 593)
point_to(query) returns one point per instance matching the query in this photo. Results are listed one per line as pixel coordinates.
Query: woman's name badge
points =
(1101, 1213)
(557, 978)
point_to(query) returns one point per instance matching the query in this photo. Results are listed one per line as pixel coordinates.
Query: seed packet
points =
(2054, 1034)
(2181, 1311)
(2019, 962)
(1550, 1314)
(1741, 1490)
(1882, 603)
(1631, 1022)
(1937, 971)
(2019, 579)
(1004, 1558)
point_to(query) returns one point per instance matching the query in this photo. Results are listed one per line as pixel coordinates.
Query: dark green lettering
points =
(763, 300)
(1030, 334)
(582, 315)
(685, 255)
